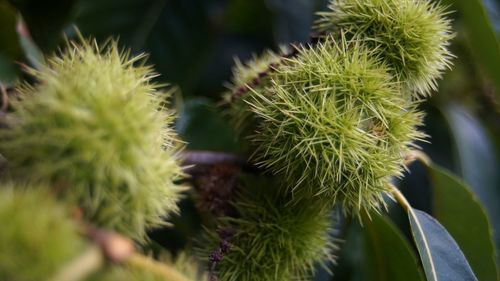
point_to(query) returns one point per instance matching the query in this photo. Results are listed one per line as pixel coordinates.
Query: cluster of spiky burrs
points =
(95, 128)
(269, 239)
(92, 134)
(37, 235)
(333, 121)
(411, 36)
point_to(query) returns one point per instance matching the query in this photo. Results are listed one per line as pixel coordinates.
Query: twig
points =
(115, 248)
(400, 198)
(417, 155)
(81, 267)
(194, 158)
(198, 157)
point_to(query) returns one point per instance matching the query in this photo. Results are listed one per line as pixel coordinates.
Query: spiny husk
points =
(411, 36)
(246, 76)
(271, 239)
(37, 236)
(95, 127)
(332, 123)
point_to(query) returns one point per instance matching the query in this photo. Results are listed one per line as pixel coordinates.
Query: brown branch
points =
(191, 160)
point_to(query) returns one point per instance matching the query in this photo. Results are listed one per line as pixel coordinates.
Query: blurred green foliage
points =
(192, 44)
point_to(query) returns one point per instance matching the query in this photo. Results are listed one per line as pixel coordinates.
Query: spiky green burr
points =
(411, 36)
(270, 239)
(37, 236)
(95, 126)
(332, 123)
(247, 76)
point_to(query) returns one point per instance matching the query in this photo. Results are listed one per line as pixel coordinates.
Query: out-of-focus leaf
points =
(388, 254)
(351, 255)
(9, 44)
(482, 37)
(31, 50)
(440, 255)
(476, 160)
(46, 19)
(10, 50)
(294, 19)
(8, 71)
(240, 17)
(202, 127)
(178, 35)
(457, 208)
(493, 9)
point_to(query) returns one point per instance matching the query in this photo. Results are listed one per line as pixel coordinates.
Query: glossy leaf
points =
(388, 254)
(441, 257)
(476, 160)
(460, 212)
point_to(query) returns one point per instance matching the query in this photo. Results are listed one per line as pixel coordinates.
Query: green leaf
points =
(8, 71)
(9, 43)
(482, 36)
(458, 209)
(31, 50)
(202, 127)
(47, 19)
(10, 49)
(476, 160)
(388, 254)
(177, 35)
(440, 255)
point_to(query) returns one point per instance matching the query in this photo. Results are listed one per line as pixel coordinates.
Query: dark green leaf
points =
(46, 19)
(440, 255)
(10, 49)
(178, 35)
(9, 43)
(458, 209)
(203, 128)
(31, 50)
(476, 160)
(293, 19)
(482, 36)
(388, 254)
(8, 71)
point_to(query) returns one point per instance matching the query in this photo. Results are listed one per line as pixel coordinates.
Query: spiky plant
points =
(37, 235)
(270, 239)
(95, 127)
(412, 36)
(333, 123)
(248, 75)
